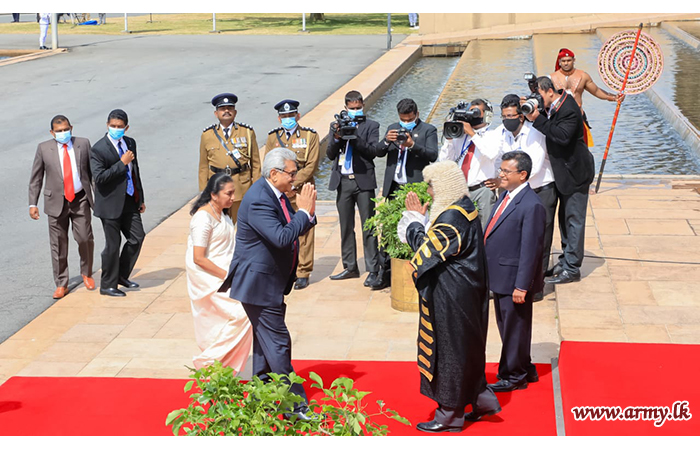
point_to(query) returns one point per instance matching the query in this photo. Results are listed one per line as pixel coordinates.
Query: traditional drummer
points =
(304, 142)
(230, 147)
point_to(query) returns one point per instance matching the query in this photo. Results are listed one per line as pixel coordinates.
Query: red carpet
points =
(629, 375)
(138, 407)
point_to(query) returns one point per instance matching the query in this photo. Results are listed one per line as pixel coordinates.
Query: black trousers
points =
(272, 344)
(572, 227)
(549, 200)
(349, 195)
(515, 328)
(115, 265)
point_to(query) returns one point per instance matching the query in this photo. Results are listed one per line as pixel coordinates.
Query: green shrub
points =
(387, 214)
(223, 405)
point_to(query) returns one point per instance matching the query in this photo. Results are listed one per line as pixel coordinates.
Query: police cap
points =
(226, 99)
(287, 106)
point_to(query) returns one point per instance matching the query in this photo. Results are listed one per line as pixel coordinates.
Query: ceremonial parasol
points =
(630, 62)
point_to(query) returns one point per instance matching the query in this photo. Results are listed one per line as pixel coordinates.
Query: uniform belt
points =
(477, 186)
(350, 176)
(230, 170)
(544, 188)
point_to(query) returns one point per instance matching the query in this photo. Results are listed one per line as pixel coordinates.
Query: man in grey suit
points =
(64, 164)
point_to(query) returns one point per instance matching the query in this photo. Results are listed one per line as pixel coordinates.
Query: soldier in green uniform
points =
(230, 147)
(305, 144)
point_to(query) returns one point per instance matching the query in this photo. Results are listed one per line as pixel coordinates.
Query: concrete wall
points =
(450, 22)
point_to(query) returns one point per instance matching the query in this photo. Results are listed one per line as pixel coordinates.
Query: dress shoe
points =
(128, 283)
(552, 271)
(112, 292)
(507, 386)
(301, 283)
(473, 416)
(60, 292)
(564, 277)
(346, 274)
(305, 414)
(89, 283)
(538, 297)
(436, 427)
(532, 377)
(382, 282)
(371, 279)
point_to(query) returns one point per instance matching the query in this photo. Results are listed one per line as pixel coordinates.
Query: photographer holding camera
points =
(573, 168)
(475, 151)
(515, 135)
(352, 150)
(410, 145)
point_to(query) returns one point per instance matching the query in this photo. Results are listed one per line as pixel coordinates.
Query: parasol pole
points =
(617, 110)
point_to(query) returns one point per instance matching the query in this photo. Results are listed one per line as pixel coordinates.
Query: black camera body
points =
(402, 135)
(453, 128)
(346, 126)
(534, 101)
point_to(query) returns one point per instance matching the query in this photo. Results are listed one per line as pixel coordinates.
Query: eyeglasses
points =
(291, 174)
(508, 172)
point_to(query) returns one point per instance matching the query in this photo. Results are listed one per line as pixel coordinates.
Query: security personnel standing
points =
(229, 147)
(305, 144)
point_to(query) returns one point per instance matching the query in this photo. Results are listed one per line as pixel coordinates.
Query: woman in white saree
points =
(221, 326)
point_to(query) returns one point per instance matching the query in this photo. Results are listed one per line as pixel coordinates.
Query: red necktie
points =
(289, 219)
(68, 188)
(495, 217)
(467, 162)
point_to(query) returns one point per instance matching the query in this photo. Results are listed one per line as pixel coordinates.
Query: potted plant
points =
(384, 224)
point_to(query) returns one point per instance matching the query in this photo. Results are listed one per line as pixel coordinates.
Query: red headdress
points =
(564, 52)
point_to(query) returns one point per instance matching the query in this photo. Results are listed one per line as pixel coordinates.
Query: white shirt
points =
(278, 194)
(532, 142)
(483, 165)
(77, 185)
(400, 173)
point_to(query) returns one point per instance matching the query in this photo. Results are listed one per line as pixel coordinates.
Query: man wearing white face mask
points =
(305, 144)
(65, 162)
(119, 203)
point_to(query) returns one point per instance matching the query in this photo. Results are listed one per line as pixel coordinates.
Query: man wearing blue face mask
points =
(64, 163)
(410, 145)
(119, 203)
(352, 176)
(305, 144)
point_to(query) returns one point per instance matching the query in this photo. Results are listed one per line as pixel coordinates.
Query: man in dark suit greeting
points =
(514, 240)
(263, 268)
(573, 167)
(119, 203)
(409, 146)
(352, 175)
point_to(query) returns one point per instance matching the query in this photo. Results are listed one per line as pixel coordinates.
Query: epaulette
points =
(308, 129)
(274, 130)
(209, 128)
(245, 125)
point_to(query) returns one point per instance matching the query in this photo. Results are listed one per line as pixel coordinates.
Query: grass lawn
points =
(229, 24)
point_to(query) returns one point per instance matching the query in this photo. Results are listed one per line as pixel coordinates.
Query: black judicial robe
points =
(452, 281)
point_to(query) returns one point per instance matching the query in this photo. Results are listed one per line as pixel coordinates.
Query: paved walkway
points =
(149, 333)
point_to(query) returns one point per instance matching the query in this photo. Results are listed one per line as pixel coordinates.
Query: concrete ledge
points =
(681, 35)
(27, 55)
(580, 24)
